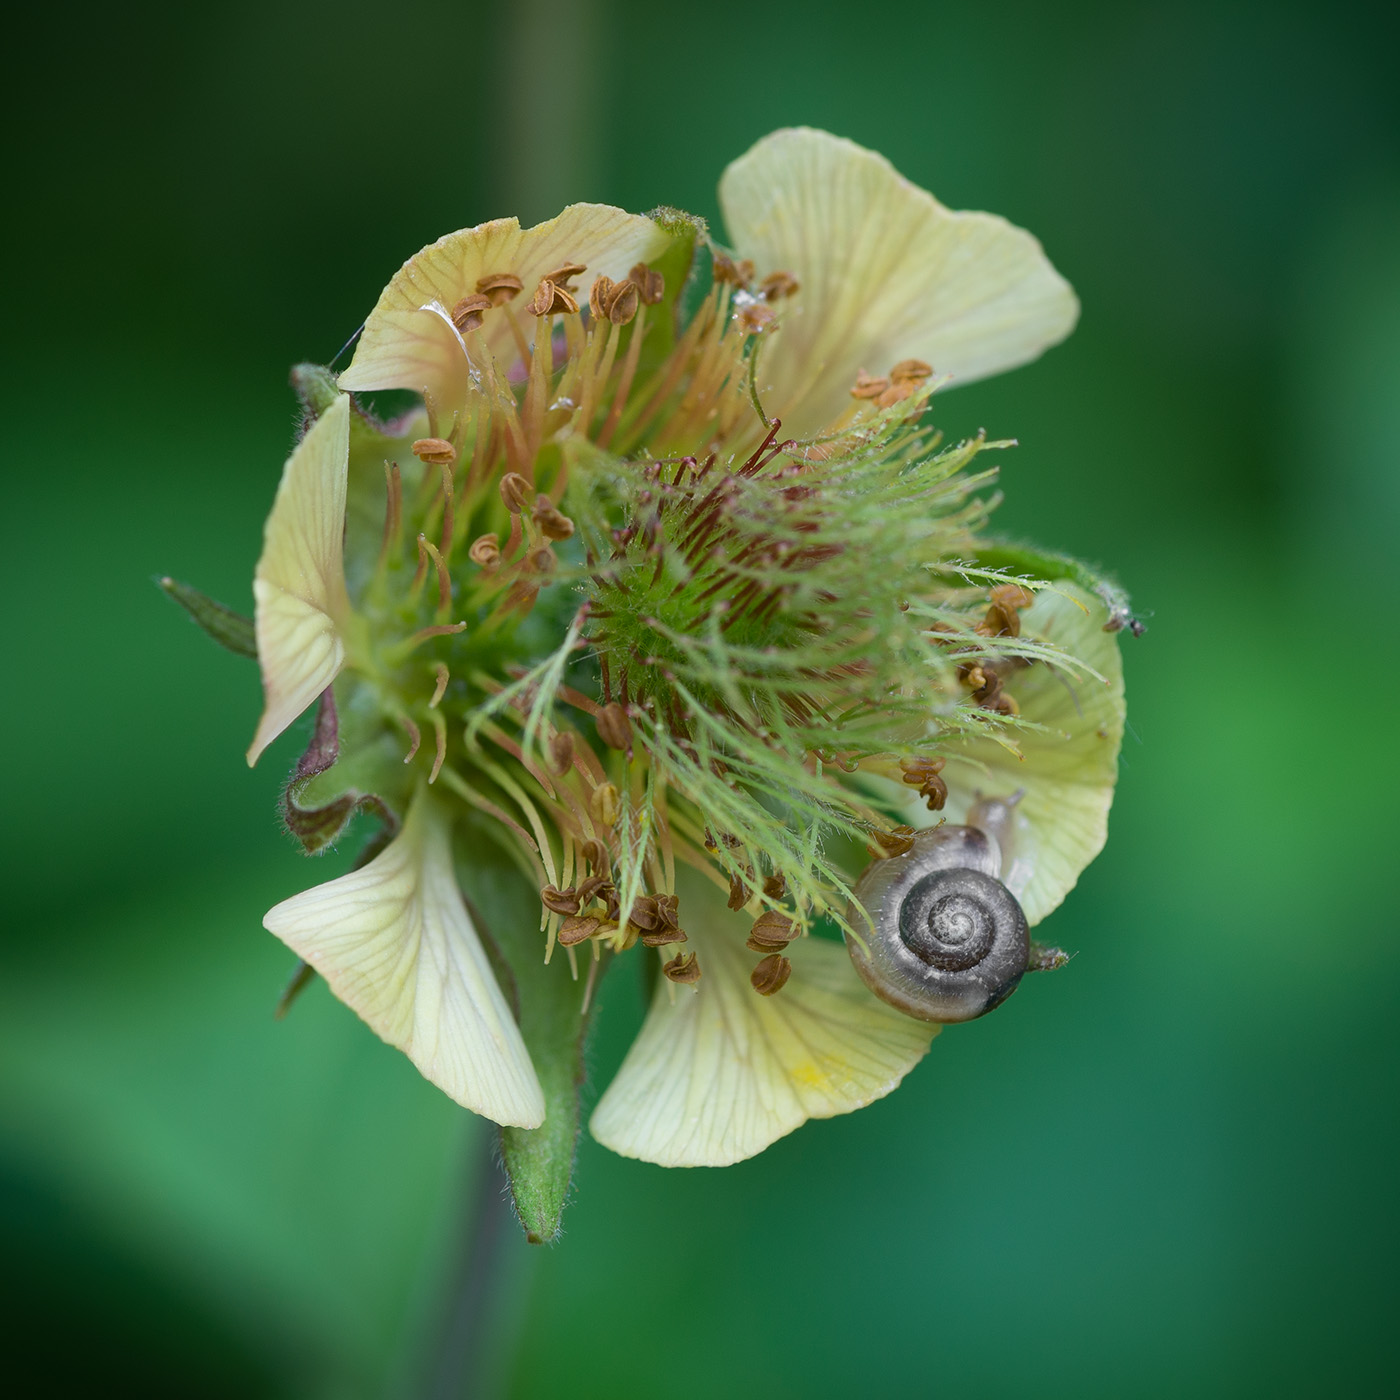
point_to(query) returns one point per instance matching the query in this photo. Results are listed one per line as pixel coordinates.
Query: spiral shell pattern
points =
(949, 941)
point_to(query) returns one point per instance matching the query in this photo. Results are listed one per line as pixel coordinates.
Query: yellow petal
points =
(299, 585)
(409, 341)
(886, 273)
(395, 943)
(1068, 771)
(719, 1072)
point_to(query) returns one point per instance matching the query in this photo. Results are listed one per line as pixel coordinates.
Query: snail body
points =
(949, 941)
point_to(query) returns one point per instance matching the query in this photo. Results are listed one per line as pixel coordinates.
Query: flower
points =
(662, 616)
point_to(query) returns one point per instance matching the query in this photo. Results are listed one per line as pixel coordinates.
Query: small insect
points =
(950, 942)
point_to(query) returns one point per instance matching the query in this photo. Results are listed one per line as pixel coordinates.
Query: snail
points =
(950, 942)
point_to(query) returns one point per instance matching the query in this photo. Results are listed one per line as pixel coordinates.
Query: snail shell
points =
(949, 941)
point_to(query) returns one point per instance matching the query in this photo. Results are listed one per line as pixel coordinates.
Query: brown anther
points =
(683, 968)
(917, 771)
(550, 300)
(971, 674)
(500, 287)
(898, 842)
(622, 305)
(778, 285)
(563, 275)
(578, 927)
(515, 491)
(553, 523)
(560, 901)
(662, 936)
(739, 892)
(771, 974)
(614, 728)
(486, 551)
(899, 390)
(650, 284)
(725, 269)
(757, 318)
(935, 792)
(561, 751)
(467, 315)
(668, 909)
(540, 560)
(911, 372)
(600, 296)
(775, 887)
(772, 931)
(607, 892)
(596, 854)
(605, 804)
(644, 913)
(868, 386)
(1003, 617)
(588, 888)
(435, 451)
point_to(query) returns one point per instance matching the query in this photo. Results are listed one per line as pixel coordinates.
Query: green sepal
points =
(342, 772)
(1052, 568)
(554, 1012)
(677, 266)
(231, 630)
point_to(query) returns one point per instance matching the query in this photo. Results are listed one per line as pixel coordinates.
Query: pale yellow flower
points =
(885, 273)
(299, 585)
(395, 942)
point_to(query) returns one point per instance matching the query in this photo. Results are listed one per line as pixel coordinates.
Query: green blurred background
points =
(1168, 1169)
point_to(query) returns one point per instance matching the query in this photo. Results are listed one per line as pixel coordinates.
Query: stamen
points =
(683, 968)
(414, 736)
(614, 301)
(778, 285)
(553, 524)
(468, 314)
(650, 284)
(485, 551)
(514, 492)
(922, 773)
(624, 384)
(605, 805)
(449, 521)
(440, 689)
(393, 508)
(614, 728)
(434, 451)
(723, 268)
(440, 736)
(868, 386)
(771, 975)
(898, 842)
(444, 579)
(551, 300)
(756, 318)
(500, 287)
(563, 276)
(772, 932)
(561, 752)
(577, 928)
(425, 634)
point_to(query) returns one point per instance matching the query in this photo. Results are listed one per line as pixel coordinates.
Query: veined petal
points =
(886, 273)
(299, 585)
(395, 943)
(409, 341)
(1068, 770)
(719, 1072)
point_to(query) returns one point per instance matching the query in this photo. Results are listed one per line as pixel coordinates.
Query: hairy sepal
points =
(231, 630)
(553, 1018)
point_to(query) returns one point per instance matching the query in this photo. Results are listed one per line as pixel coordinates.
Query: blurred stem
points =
(544, 154)
(465, 1366)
